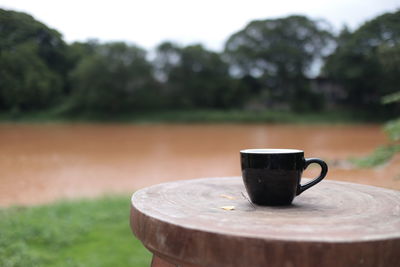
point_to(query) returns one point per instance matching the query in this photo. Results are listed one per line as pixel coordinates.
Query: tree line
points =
(268, 64)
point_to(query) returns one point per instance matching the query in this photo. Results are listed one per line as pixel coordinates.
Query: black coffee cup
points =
(272, 176)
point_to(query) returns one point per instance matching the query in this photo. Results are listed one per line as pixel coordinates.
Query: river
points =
(41, 163)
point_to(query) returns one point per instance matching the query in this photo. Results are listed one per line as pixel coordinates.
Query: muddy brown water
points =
(43, 163)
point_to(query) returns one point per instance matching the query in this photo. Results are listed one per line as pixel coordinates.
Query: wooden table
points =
(210, 223)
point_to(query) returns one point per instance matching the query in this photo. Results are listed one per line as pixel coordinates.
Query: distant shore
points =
(198, 116)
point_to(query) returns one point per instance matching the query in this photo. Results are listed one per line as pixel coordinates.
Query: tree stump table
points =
(211, 223)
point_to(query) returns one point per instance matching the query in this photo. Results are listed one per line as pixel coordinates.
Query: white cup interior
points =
(270, 151)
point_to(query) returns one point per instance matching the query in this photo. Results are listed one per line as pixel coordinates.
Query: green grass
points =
(197, 116)
(71, 233)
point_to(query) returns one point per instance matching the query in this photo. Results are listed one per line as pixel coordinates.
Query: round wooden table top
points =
(211, 222)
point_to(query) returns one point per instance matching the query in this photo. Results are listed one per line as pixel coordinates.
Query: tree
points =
(280, 53)
(115, 78)
(362, 61)
(32, 62)
(194, 77)
(26, 82)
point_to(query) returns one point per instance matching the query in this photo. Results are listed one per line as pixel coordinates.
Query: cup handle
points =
(324, 171)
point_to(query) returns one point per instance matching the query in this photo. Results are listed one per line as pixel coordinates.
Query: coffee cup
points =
(272, 176)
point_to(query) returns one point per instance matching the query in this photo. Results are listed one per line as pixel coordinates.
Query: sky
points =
(149, 22)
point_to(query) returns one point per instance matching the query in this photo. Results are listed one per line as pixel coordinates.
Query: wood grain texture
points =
(332, 224)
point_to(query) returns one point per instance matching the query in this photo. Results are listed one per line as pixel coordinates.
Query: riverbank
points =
(200, 116)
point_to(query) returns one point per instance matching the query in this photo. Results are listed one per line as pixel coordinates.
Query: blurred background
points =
(98, 100)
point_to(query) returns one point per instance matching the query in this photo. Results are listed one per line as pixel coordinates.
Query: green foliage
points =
(266, 65)
(32, 63)
(26, 82)
(366, 62)
(114, 78)
(384, 153)
(18, 28)
(380, 156)
(79, 50)
(196, 78)
(197, 116)
(75, 233)
(279, 52)
(392, 98)
(392, 128)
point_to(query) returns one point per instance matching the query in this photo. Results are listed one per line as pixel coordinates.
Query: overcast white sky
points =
(210, 22)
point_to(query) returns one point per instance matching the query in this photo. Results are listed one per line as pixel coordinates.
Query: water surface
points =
(43, 163)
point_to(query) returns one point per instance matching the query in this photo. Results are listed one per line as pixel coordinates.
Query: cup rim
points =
(269, 151)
